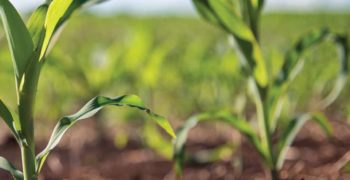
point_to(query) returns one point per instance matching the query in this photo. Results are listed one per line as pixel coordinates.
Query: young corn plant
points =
(240, 19)
(29, 45)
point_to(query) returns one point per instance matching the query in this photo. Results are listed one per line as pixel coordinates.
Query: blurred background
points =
(180, 65)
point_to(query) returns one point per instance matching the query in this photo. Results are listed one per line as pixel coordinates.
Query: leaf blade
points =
(294, 127)
(231, 20)
(206, 12)
(36, 24)
(9, 167)
(343, 51)
(55, 12)
(6, 115)
(245, 39)
(243, 126)
(89, 110)
(19, 39)
(293, 64)
(58, 13)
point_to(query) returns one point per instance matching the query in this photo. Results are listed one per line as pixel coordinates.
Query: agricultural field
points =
(179, 66)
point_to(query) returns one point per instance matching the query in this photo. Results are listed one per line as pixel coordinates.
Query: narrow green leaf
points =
(293, 128)
(19, 40)
(293, 56)
(241, 125)
(36, 25)
(244, 37)
(9, 167)
(55, 13)
(230, 20)
(250, 14)
(293, 63)
(206, 12)
(58, 13)
(343, 51)
(257, 4)
(179, 144)
(6, 115)
(222, 14)
(91, 108)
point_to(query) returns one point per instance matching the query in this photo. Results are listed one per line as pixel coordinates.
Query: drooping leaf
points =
(91, 108)
(293, 128)
(9, 167)
(241, 125)
(343, 50)
(36, 25)
(6, 115)
(293, 63)
(293, 56)
(19, 40)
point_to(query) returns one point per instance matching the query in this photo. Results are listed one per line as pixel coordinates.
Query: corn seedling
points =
(29, 46)
(148, 65)
(240, 19)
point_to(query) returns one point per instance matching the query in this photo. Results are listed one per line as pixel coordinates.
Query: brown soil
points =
(312, 156)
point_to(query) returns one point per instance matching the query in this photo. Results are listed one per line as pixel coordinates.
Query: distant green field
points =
(179, 65)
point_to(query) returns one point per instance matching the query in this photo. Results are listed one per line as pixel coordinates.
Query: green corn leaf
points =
(57, 14)
(244, 38)
(179, 144)
(220, 12)
(231, 20)
(36, 25)
(251, 11)
(91, 108)
(294, 127)
(258, 4)
(6, 115)
(243, 126)
(293, 56)
(19, 40)
(206, 12)
(293, 64)
(343, 49)
(249, 14)
(9, 167)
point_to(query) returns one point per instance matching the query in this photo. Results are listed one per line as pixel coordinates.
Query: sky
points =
(185, 6)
